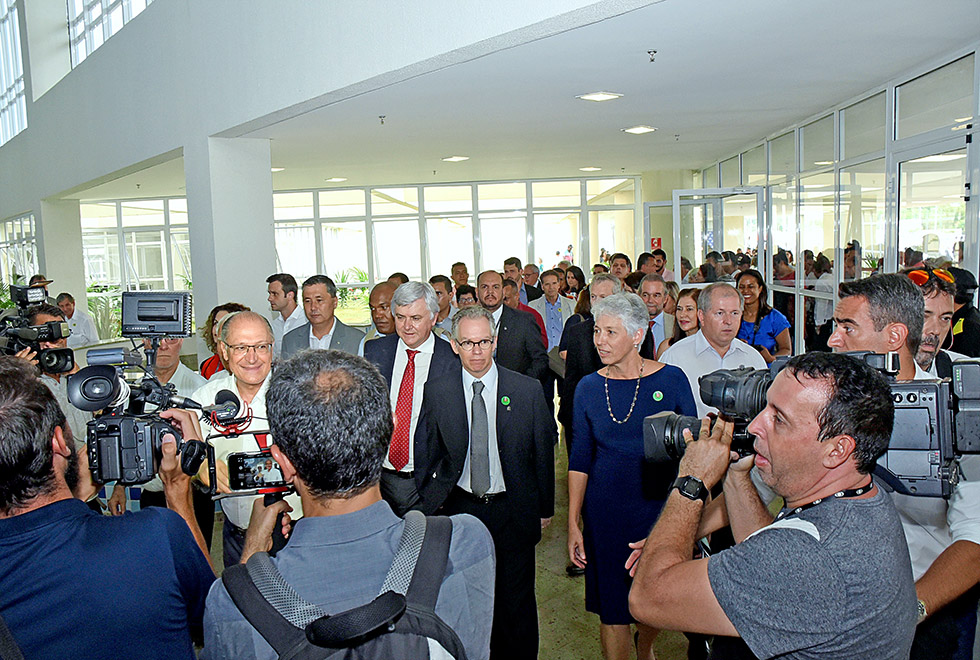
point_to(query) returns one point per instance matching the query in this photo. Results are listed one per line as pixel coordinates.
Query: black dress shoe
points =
(574, 571)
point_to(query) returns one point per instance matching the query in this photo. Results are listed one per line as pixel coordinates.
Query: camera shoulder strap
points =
(944, 365)
(8, 646)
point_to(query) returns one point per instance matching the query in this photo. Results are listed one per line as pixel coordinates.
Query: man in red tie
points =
(407, 360)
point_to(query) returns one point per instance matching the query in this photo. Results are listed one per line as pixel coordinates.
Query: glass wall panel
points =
(448, 199)
(341, 203)
(394, 201)
(932, 210)
(507, 196)
(98, 216)
(754, 166)
(344, 252)
(503, 235)
(696, 222)
(178, 211)
(180, 259)
(782, 156)
(101, 253)
(711, 177)
(938, 99)
(729, 173)
(609, 191)
(555, 237)
(610, 231)
(396, 248)
(862, 218)
(863, 127)
(818, 144)
(296, 249)
(450, 240)
(142, 213)
(292, 206)
(18, 250)
(553, 193)
(817, 203)
(352, 305)
(145, 261)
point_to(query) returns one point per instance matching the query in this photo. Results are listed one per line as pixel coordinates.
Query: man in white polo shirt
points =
(83, 332)
(715, 346)
(246, 346)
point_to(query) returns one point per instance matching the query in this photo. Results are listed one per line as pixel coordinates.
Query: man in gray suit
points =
(324, 329)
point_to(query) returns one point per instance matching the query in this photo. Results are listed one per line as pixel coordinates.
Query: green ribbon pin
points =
(658, 395)
(505, 400)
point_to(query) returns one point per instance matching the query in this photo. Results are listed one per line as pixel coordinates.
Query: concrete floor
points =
(567, 631)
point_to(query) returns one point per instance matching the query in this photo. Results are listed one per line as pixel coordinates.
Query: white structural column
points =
(229, 209)
(59, 246)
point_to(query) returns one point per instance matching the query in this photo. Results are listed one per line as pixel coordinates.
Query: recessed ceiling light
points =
(278, 169)
(639, 130)
(336, 179)
(823, 162)
(939, 158)
(455, 159)
(589, 169)
(599, 96)
(959, 119)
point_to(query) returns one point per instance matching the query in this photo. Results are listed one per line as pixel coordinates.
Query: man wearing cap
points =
(966, 318)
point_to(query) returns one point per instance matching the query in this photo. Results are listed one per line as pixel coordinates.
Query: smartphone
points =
(248, 470)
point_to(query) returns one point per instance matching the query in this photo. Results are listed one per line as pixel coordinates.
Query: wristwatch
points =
(922, 611)
(691, 487)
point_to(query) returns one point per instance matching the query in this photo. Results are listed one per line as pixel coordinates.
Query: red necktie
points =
(398, 452)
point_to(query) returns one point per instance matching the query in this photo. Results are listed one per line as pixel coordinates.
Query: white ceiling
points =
(726, 74)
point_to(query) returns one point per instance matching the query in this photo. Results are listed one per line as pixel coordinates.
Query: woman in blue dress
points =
(763, 328)
(618, 494)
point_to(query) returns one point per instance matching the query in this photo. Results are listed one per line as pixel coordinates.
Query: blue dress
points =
(624, 494)
(769, 327)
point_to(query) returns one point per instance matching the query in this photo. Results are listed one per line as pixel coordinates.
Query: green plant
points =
(105, 305)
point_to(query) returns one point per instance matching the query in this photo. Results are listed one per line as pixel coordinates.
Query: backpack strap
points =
(433, 560)
(269, 604)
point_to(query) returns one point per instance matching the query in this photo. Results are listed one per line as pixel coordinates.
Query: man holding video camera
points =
(246, 345)
(885, 313)
(147, 570)
(830, 577)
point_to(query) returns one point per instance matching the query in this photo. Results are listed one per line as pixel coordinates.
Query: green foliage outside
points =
(105, 305)
(352, 303)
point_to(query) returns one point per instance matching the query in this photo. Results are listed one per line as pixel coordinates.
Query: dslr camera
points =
(936, 421)
(124, 440)
(16, 333)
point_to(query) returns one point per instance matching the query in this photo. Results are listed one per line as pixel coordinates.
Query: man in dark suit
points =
(519, 344)
(407, 360)
(653, 292)
(514, 273)
(488, 451)
(324, 329)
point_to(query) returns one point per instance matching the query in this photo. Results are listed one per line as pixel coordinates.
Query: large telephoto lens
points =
(736, 392)
(663, 435)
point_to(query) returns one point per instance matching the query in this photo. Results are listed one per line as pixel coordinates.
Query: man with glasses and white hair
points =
(407, 360)
(489, 451)
(246, 344)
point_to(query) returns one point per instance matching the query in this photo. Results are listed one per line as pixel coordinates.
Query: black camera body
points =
(16, 333)
(936, 421)
(124, 442)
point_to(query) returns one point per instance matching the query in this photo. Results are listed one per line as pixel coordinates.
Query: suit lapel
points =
(457, 438)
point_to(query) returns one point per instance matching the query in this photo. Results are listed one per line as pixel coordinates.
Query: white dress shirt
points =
(323, 342)
(932, 524)
(83, 332)
(489, 394)
(696, 357)
(281, 326)
(238, 509)
(422, 361)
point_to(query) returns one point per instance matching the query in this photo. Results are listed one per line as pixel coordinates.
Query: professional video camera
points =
(16, 332)
(124, 441)
(936, 421)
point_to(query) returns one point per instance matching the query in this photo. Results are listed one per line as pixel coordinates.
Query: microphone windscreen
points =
(227, 396)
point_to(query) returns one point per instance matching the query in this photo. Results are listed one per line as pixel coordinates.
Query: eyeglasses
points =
(468, 345)
(241, 350)
(921, 276)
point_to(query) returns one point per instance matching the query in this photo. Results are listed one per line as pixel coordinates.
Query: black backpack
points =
(400, 623)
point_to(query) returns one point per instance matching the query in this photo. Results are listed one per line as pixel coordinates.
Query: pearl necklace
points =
(636, 392)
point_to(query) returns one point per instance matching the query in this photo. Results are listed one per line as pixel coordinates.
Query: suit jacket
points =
(567, 308)
(345, 338)
(519, 346)
(581, 359)
(526, 436)
(533, 293)
(381, 353)
(649, 347)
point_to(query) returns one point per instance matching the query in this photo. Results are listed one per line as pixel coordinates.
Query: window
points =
(18, 250)
(939, 99)
(91, 22)
(13, 105)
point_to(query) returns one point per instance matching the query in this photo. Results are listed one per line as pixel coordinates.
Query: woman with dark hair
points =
(211, 332)
(685, 319)
(763, 328)
(576, 281)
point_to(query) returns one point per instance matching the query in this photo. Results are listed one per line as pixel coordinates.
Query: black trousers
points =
(514, 635)
(399, 491)
(948, 634)
(203, 508)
